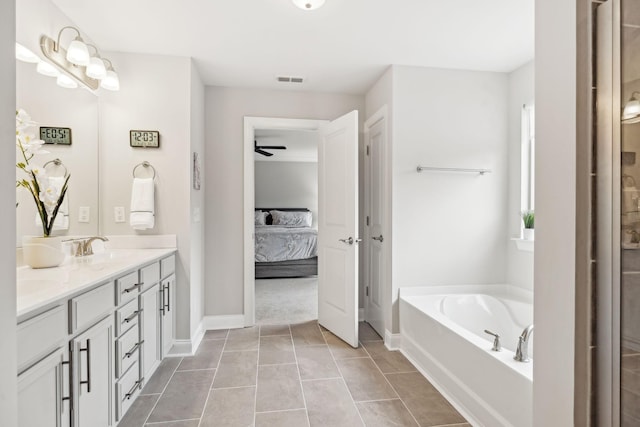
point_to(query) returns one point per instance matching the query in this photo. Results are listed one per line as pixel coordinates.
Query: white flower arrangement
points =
(47, 197)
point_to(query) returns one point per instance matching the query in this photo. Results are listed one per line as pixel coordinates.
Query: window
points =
(527, 159)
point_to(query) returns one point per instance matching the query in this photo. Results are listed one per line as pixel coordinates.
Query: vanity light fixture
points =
(65, 81)
(308, 4)
(631, 112)
(96, 69)
(77, 52)
(47, 69)
(25, 55)
(111, 80)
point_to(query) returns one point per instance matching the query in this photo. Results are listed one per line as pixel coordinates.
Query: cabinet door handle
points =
(133, 288)
(133, 316)
(68, 363)
(168, 305)
(162, 300)
(133, 350)
(87, 350)
(133, 389)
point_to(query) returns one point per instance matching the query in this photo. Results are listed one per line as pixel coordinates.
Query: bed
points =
(285, 243)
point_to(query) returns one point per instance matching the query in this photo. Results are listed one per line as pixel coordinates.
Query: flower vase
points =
(42, 252)
(528, 233)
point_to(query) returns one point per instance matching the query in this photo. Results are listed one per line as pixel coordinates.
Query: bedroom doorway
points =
(264, 197)
(286, 224)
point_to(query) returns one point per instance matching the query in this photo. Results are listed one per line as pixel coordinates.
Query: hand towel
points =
(62, 218)
(142, 204)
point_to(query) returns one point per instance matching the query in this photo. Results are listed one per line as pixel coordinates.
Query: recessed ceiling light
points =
(308, 4)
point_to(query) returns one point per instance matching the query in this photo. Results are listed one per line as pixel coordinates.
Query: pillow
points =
(291, 219)
(260, 217)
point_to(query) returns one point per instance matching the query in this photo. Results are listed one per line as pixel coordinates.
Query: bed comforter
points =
(275, 243)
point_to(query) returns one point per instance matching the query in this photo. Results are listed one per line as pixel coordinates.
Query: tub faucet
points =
(522, 351)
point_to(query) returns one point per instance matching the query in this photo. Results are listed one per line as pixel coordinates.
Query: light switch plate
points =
(84, 214)
(118, 213)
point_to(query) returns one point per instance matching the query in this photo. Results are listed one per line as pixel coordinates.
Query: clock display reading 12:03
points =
(144, 138)
(58, 136)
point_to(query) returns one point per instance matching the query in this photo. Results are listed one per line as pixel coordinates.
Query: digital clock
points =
(144, 138)
(58, 136)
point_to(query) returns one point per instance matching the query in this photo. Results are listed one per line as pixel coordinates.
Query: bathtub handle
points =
(496, 340)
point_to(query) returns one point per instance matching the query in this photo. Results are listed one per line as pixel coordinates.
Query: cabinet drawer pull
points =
(168, 304)
(87, 349)
(133, 389)
(133, 288)
(128, 354)
(133, 316)
(162, 304)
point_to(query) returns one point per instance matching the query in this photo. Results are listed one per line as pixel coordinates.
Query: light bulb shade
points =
(110, 81)
(308, 4)
(96, 69)
(47, 69)
(25, 55)
(631, 109)
(77, 53)
(67, 82)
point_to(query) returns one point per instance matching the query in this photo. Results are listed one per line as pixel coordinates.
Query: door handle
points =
(350, 241)
(87, 349)
(379, 238)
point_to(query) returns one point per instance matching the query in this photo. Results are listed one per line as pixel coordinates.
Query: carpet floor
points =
(282, 301)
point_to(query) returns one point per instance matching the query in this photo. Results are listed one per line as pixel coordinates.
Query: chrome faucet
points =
(83, 247)
(522, 351)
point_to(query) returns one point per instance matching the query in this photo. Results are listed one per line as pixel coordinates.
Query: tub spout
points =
(522, 351)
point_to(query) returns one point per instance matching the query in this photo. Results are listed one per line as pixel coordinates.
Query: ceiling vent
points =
(289, 79)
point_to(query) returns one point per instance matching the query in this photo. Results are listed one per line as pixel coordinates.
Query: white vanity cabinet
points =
(83, 358)
(93, 375)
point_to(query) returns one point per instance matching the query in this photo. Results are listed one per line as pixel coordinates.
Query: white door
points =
(338, 228)
(375, 140)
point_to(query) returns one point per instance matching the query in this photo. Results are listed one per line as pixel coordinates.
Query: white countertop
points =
(38, 288)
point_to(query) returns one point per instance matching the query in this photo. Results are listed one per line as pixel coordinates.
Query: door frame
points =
(381, 114)
(250, 125)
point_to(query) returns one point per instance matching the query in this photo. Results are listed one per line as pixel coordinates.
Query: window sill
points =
(524, 245)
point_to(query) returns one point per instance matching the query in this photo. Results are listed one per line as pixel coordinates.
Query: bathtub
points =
(442, 333)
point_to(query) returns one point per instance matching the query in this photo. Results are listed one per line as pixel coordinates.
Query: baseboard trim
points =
(210, 323)
(392, 341)
(184, 348)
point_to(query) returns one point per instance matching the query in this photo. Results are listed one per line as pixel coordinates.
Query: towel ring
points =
(146, 165)
(58, 163)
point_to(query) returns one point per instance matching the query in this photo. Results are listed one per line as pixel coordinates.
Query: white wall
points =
(287, 185)
(448, 228)
(50, 105)
(8, 367)
(155, 94)
(197, 117)
(521, 92)
(554, 264)
(225, 110)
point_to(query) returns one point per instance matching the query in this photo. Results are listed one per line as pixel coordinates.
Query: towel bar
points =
(429, 168)
(146, 165)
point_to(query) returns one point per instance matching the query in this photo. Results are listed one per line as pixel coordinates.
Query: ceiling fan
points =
(260, 148)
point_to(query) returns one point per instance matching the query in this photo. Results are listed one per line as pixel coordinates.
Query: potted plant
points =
(38, 251)
(528, 221)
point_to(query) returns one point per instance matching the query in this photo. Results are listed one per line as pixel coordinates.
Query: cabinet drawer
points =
(127, 389)
(127, 350)
(167, 266)
(150, 275)
(127, 288)
(127, 316)
(88, 307)
(41, 334)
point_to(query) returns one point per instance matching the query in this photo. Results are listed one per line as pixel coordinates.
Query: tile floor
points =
(289, 376)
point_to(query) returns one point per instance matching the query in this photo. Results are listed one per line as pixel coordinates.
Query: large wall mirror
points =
(53, 106)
